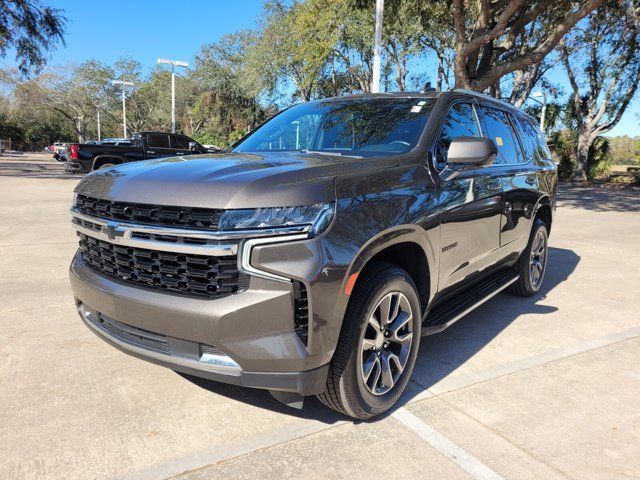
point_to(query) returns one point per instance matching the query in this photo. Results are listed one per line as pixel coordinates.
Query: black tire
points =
(346, 391)
(528, 285)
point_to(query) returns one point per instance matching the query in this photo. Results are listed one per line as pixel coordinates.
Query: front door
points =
(470, 202)
(158, 145)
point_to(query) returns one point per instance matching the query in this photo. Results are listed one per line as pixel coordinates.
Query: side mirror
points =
(193, 146)
(476, 151)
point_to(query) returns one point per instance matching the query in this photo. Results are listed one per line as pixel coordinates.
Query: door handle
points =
(494, 186)
(151, 151)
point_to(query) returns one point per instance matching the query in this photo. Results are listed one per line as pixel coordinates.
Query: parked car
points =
(85, 157)
(312, 257)
(58, 149)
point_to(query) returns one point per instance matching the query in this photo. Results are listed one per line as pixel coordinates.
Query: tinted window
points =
(364, 127)
(460, 122)
(158, 140)
(180, 142)
(498, 128)
(534, 142)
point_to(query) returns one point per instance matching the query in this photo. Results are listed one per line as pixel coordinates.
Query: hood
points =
(226, 180)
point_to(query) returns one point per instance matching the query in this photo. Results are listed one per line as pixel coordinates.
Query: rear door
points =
(470, 203)
(158, 145)
(518, 176)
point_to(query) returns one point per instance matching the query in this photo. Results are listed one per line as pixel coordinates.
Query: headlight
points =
(319, 216)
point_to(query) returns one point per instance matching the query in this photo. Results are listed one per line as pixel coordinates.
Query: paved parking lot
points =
(539, 388)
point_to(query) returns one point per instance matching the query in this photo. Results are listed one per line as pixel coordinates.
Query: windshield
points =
(366, 127)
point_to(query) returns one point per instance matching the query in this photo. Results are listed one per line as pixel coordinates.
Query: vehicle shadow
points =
(35, 169)
(600, 198)
(439, 354)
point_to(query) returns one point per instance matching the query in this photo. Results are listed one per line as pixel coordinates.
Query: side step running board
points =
(448, 313)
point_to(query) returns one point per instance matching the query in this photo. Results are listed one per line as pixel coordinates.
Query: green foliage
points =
(31, 29)
(625, 150)
(563, 145)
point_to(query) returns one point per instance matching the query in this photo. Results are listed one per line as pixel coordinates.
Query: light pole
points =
(375, 80)
(174, 64)
(297, 124)
(544, 106)
(124, 107)
(98, 112)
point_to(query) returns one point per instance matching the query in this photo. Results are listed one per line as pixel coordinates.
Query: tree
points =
(224, 101)
(494, 38)
(604, 73)
(31, 29)
(76, 93)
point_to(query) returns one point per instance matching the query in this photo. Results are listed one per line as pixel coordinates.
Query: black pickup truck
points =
(84, 157)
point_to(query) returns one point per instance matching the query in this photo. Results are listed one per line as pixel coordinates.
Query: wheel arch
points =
(100, 160)
(544, 212)
(399, 246)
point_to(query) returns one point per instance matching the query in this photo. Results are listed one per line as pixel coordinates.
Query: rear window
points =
(158, 140)
(498, 128)
(534, 143)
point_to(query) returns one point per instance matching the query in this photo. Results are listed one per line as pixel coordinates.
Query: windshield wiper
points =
(321, 152)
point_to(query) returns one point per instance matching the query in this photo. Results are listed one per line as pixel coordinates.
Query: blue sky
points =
(146, 30)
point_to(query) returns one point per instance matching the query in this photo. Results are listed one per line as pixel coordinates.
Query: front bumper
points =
(186, 357)
(251, 330)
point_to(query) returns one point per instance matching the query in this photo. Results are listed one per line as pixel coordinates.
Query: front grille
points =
(143, 338)
(156, 215)
(154, 341)
(196, 275)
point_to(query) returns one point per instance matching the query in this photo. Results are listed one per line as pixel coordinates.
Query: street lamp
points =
(124, 107)
(174, 64)
(375, 77)
(544, 106)
(297, 124)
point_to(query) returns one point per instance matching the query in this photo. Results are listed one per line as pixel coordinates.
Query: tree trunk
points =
(582, 156)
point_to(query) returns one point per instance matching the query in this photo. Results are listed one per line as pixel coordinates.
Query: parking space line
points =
(449, 384)
(442, 444)
(206, 458)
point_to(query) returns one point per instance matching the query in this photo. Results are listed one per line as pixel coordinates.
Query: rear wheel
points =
(532, 264)
(378, 344)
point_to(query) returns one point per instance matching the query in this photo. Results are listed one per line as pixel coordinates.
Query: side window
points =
(534, 141)
(498, 128)
(179, 142)
(158, 140)
(460, 122)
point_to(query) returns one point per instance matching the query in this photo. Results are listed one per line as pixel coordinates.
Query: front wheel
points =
(378, 344)
(532, 264)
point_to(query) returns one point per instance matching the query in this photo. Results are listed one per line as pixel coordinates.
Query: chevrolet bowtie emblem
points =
(112, 230)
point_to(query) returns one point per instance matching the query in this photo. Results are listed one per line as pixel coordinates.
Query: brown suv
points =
(311, 257)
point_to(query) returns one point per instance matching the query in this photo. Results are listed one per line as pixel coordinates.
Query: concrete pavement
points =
(535, 388)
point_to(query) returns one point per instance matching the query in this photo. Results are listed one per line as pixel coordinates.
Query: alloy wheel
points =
(537, 259)
(386, 343)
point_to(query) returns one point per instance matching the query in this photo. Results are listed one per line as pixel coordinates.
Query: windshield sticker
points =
(499, 141)
(421, 102)
(416, 109)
